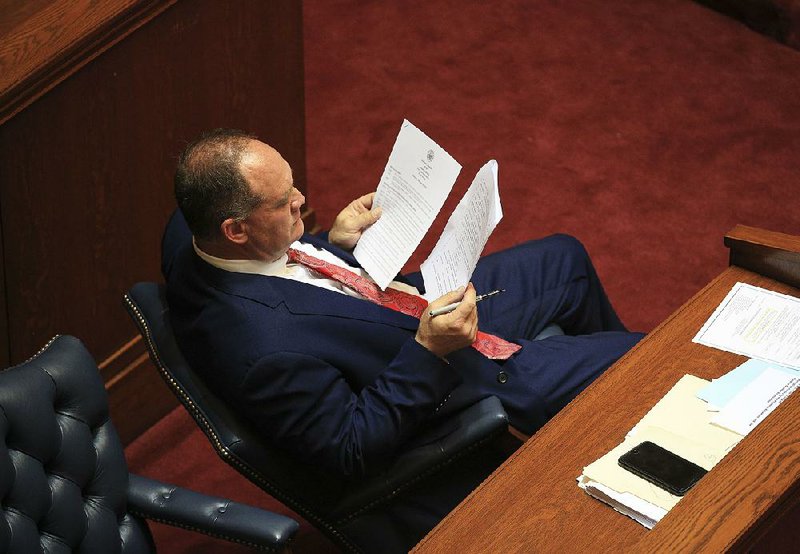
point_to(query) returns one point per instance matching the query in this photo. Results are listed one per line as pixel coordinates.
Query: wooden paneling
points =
(86, 169)
(44, 41)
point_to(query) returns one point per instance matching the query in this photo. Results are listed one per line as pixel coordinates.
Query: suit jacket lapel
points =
(301, 298)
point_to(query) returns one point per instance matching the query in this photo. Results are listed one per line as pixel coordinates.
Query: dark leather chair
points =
(324, 502)
(64, 482)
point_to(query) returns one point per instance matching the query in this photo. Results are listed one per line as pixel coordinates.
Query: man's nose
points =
(298, 202)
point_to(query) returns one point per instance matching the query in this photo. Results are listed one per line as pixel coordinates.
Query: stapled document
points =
(757, 323)
(415, 183)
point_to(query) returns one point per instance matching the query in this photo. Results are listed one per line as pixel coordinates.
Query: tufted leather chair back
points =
(63, 476)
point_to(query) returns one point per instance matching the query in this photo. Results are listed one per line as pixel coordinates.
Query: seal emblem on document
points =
(430, 156)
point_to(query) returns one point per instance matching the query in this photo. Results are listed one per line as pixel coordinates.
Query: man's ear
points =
(234, 230)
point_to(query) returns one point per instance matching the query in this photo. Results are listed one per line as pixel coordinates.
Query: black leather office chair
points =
(321, 500)
(64, 483)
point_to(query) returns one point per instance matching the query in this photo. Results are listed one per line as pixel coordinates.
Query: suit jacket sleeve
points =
(308, 406)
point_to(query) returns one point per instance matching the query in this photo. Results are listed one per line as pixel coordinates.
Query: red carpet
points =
(645, 128)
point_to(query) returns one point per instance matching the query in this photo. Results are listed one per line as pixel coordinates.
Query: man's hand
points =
(447, 333)
(352, 221)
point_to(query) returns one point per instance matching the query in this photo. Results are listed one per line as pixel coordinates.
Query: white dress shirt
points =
(297, 272)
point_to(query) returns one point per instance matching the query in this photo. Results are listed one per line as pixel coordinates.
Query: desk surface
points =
(533, 503)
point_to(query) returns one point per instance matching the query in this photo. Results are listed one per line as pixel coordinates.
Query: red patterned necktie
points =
(490, 346)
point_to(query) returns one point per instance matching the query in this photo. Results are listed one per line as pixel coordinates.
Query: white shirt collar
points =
(276, 268)
(296, 272)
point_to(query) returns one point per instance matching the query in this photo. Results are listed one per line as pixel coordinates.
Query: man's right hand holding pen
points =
(446, 333)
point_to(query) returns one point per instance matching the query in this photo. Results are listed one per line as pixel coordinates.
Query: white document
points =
(625, 503)
(756, 401)
(453, 259)
(757, 323)
(415, 183)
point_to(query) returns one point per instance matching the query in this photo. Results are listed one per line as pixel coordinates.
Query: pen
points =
(450, 307)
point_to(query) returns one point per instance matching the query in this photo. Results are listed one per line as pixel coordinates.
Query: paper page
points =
(722, 390)
(625, 503)
(757, 323)
(453, 259)
(415, 183)
(681, 413)
(756, 401)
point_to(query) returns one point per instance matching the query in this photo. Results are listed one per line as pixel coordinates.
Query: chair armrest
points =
(211, 515)
(450, 439)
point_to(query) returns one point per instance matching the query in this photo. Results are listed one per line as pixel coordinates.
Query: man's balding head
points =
(209, 184)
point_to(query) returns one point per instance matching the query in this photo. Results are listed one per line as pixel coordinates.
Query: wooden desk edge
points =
(769, 253)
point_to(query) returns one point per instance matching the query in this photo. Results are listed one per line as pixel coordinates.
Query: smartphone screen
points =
(662, 468)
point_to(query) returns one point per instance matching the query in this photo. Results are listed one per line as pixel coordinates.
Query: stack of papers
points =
(698, 420)
(679, 422)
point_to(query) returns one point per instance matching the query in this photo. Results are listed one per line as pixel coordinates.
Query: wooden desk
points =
(532, 502)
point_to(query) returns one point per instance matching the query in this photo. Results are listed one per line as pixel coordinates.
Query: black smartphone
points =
(662, 468)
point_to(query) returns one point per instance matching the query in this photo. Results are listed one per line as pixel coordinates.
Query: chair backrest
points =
(63, 476)
(303, 487)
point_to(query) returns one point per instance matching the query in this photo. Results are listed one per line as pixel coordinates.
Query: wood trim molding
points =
(137, 396)
(775, 255)
(43, 43)
(310, 220)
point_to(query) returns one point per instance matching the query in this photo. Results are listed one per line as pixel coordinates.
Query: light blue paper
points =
(719, 392)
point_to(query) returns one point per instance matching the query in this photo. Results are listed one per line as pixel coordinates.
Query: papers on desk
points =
(757, 323)
(702, 421)
(679, 422)
(416, 181)
(697, 420)
(764, 325)
(743, 397)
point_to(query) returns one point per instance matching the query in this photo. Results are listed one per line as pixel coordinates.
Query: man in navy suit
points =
(336, 379)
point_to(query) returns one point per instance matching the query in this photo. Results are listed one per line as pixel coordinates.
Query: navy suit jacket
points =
(337, 380)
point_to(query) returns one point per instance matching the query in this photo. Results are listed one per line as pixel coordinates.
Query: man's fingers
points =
(468, 301)
(448, 298)
(366, 219)
(366, 200)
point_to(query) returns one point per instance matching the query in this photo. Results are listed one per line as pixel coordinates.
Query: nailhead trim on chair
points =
(64, 469)
(223, 536)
